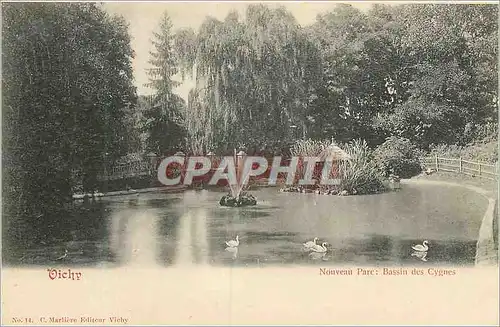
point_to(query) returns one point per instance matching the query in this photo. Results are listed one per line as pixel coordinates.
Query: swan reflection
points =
(318, 256)
(233, 251)
(420, 255)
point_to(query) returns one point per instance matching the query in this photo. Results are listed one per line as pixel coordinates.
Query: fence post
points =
(460, 165)
(437, 163)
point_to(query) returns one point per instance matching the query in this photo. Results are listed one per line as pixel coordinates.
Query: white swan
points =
(233, 243)
(421, 247)
(64, 255)
(319, 248)
(311, 243)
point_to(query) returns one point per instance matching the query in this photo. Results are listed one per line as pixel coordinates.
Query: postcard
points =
(244, 163)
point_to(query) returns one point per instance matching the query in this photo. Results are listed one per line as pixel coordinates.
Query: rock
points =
(241, 201)
(227, 201)
(344, 193)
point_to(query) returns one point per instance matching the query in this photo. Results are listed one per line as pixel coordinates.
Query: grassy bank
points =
(483, 150)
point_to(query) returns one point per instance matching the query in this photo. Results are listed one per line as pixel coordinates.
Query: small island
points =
(242, 200)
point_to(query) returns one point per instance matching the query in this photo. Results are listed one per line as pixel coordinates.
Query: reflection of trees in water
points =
(82, 227)
(379, 246)
(184, 251)
(162, 203)
(76, 225)
(448, 251)
(201, 236)
(134, 236)
(264, 236)
(183, 228)
(62, 224)
(167, 231)
(343, 222)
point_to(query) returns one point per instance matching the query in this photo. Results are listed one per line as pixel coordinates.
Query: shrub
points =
(307, 148)
(360, 174)
(398, 156)
(484, 152)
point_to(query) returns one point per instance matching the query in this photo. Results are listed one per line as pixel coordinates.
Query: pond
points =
(190, 228)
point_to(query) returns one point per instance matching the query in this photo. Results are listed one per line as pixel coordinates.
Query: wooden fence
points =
(461, 166)
(142, 168)
(132, 169)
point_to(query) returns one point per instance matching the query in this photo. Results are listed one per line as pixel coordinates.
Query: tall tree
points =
(67, 87)
(164, 120)
(254, 77)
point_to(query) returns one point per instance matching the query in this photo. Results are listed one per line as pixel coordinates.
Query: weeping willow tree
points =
(253, 79)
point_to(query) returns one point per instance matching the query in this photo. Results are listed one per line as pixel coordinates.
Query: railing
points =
(132, 169)
(461, 166)
(143, 168)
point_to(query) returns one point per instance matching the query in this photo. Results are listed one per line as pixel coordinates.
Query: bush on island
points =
(398, 156)
(360, 175)
(242, 200)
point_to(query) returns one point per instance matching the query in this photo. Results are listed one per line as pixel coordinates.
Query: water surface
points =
(191, 228)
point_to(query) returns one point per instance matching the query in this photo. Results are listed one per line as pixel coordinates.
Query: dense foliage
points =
(398, 156)
(426, 73)
(484, 149)
(360, 175)
(67, 98)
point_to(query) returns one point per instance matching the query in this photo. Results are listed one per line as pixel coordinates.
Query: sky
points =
(144, 18)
